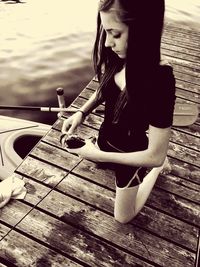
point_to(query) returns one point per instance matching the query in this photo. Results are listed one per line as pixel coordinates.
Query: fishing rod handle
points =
(61, 99)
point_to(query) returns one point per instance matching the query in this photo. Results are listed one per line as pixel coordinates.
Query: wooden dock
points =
(67, 219)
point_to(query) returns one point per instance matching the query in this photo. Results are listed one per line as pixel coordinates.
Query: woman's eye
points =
(116, 36)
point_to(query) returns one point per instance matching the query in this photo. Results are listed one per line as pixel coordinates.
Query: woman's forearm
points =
(144, 158)
(153, 156)
(91, 104)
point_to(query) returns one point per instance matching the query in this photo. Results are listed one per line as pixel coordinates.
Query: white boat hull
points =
(11, 130)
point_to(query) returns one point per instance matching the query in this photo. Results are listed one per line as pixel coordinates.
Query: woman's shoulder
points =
(165, 73)
(164, 62)
(164, 80)
(165, 67)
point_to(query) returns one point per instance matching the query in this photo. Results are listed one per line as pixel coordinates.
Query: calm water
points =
(47, 44)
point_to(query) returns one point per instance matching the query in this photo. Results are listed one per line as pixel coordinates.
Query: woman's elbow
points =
(157, 159)
(158, 163)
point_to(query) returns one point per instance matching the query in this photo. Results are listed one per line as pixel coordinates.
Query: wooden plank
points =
(72, 199)
(55, 155)
(198, 252)
(15, 206)
(182, 62)
(180, 187)
(171, 39)
(192, 210)
(103, 198)
(19, 207)
(193, 129)
(19, 250)
(184, 77)
(3, 231)
(185, 35)
(184, 28)
(184, 95)
(183, 67)
(185, 170)
(183, 31)
(176, 206)
(186, 140)
(72, 242)
(92, 85)
(187, 88)
(43, 172)
(86, 93)
(186, 52)
(188, 59)
(127, 237)
(4, 261)
(130, 239)
(178, 67)
(185, 154)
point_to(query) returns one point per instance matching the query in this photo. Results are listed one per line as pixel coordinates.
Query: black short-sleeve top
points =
(125, 135)
(162, 100)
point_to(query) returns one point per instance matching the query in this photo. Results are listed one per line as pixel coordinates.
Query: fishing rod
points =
(181, 109)
(184, 113)
(45, 109)
(32, 108)
(61, 101)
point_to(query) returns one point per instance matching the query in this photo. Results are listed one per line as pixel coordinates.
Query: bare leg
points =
(130, 200)
(125, 203)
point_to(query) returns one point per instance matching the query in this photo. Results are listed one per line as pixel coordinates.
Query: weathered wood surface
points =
(21, 250)
(67, 219)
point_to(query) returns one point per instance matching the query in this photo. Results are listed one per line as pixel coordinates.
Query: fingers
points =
(91, 143)
(93, 139)
(63, 138)
(65, 127)
(71, 130)
(68, 127)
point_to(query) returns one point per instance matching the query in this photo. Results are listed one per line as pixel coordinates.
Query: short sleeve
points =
(162, 98)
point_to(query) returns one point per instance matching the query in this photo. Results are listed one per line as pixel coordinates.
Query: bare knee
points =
(123, 219)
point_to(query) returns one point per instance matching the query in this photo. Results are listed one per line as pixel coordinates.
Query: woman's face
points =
(116, 33)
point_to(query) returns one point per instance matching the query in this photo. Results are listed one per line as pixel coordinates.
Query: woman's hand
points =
(70, 124)
(89, 151)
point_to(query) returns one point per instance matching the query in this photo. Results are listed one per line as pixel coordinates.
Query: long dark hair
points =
(145, 21)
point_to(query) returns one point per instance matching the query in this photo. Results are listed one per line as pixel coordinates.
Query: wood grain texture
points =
(103, 198)
(23, 251)
(66, 218)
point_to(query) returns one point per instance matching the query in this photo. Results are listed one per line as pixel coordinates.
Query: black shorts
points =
(123, 173)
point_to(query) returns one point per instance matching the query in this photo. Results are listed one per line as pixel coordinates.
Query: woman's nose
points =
(109, 41)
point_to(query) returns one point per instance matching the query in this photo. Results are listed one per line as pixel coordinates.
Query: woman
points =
(139, 95)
